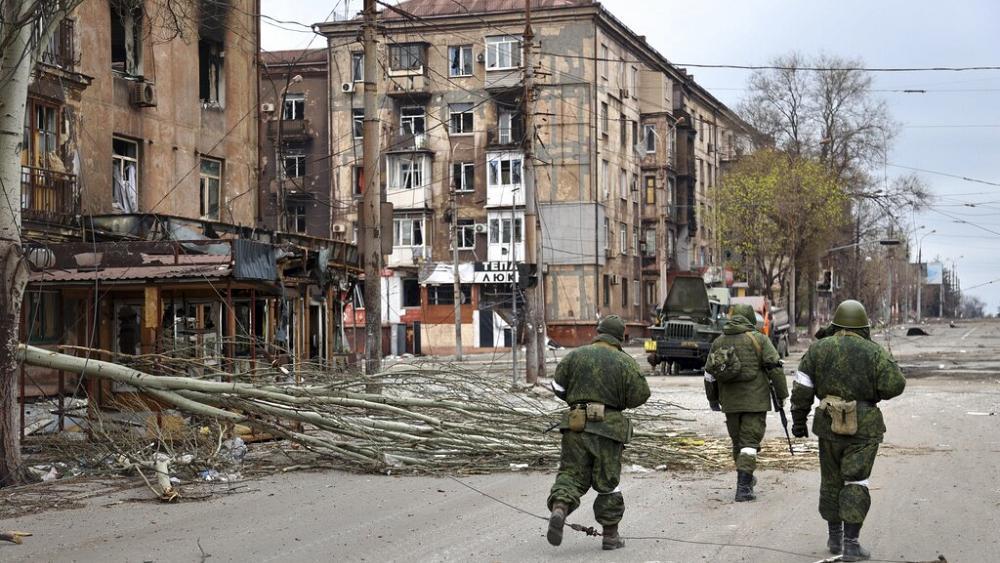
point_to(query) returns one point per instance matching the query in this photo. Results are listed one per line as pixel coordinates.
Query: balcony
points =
(409, 198)
(408, 142)
(47, 195)
(504, 137)
(291, 129)
(411, 87)
(58, 51)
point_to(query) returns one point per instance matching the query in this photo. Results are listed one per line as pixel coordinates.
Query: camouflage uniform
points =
(598, 373)
(845, 364)
(746, 402)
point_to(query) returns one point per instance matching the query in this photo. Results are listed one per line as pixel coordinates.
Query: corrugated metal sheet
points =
(254, 261)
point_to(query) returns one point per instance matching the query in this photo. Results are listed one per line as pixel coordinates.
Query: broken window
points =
(411, 292)
(460, 60)
(503, 52)
(358, 122)
(295, 216)
(461, 118)
(510, 126)
(466, 234)
(463, 176)
(412, 120)
(210, 79)
(294, 163)
(126, 37)
(649, 132)
(41, 134)
(408, 232)
(211, 183)
(408, 57)
(406, 172)
(604, 119)
(294, 107)
(43, 314)
(125, 175)
(607, 290)
(357, 67)
(445, 294)
(504, 170)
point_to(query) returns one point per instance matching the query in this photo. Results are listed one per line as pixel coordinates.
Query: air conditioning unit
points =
(615, 280)
(481, 58)
(266, 108)
(143, 94)
(481, 228)
(339, 228)
(347, 87)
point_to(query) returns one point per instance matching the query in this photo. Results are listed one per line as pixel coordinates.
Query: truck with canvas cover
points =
(685, 328)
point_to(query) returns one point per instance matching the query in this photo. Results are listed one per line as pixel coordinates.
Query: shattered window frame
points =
(460, 60)
(210, 180)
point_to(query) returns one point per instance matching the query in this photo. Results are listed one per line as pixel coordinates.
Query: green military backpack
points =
(724, 362)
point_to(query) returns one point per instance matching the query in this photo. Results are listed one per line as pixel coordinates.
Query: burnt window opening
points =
(210, 78)
(211, 51)
(126, 37)
(411, 292)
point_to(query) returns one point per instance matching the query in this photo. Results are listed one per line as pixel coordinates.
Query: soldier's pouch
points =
(843, 415)
(595, 412)
(577, 419)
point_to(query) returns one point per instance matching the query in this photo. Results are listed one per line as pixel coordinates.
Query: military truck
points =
(771, 320)
(685, 327)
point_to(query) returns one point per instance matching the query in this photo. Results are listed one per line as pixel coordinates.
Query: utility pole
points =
(534, 296)
(513, 290)
(371, 213)
(455, 234)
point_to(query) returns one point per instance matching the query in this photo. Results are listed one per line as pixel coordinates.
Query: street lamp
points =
(920, 270)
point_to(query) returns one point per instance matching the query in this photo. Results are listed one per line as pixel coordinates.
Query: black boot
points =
(556, 521)
(852, 548)
(835, 542)
(611, 539)
(744, 486)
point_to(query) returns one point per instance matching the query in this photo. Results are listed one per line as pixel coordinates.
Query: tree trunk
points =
(15, 65)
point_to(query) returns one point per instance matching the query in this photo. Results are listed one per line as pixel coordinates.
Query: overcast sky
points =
(954, 128)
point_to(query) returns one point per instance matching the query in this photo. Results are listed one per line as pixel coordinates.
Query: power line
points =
(956, 176)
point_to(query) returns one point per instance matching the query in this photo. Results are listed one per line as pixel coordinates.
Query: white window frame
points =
(607, 234)
(606, 178)
(466, 232)
(501, 47)
(357, 67)
(500, 229)
(358, 122)
(407, 116)
(460, 183)
(495, 170)
(300, 163)
(649, 138)
(293, 218)
(205, 182)
(636, 292)
(122, 161)
(635, 240)
(623, 238)
(466, 111)
(623, 183)
(605, 61)
(465, 60)
(605, 118)
(421, 49)
(297, 104)
(407, 171)
(405, 230)
(650, 242)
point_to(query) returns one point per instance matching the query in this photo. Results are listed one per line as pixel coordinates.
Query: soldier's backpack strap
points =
(757, 347)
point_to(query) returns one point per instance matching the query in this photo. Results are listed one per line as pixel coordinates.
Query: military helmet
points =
(744, 310)
(851, 314)
(612, 325)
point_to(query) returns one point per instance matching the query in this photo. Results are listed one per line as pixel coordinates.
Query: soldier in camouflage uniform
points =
(847, 366)
(597, 374)
(747, 400)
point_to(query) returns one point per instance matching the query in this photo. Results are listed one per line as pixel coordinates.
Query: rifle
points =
(781, 412)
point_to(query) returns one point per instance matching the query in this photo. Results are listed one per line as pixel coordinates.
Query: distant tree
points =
(972, 307)
(775, 207)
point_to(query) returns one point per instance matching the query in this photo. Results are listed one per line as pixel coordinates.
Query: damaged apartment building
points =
(141, 200)
(627, 151)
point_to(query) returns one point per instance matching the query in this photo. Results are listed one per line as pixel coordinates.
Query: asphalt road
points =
(935, 490)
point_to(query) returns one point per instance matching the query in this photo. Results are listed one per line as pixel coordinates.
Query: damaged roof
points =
(134, 273)
(429, 8)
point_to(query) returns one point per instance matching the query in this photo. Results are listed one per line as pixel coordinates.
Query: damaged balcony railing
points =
(59, 49)
(47, 193)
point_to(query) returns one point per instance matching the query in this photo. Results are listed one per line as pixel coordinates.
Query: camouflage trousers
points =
(844, 471)
(590, 461)
(746, 430)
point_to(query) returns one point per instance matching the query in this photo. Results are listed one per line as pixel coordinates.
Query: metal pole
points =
(458, 282)
(920, 277)
(371, 214)
(513, 292)
(535, 335)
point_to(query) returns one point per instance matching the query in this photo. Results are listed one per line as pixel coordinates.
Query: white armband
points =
(803, 379)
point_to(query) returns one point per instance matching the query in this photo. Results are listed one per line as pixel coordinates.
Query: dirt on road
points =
(935, 490)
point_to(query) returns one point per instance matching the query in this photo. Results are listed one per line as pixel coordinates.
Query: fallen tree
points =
(428, 418)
